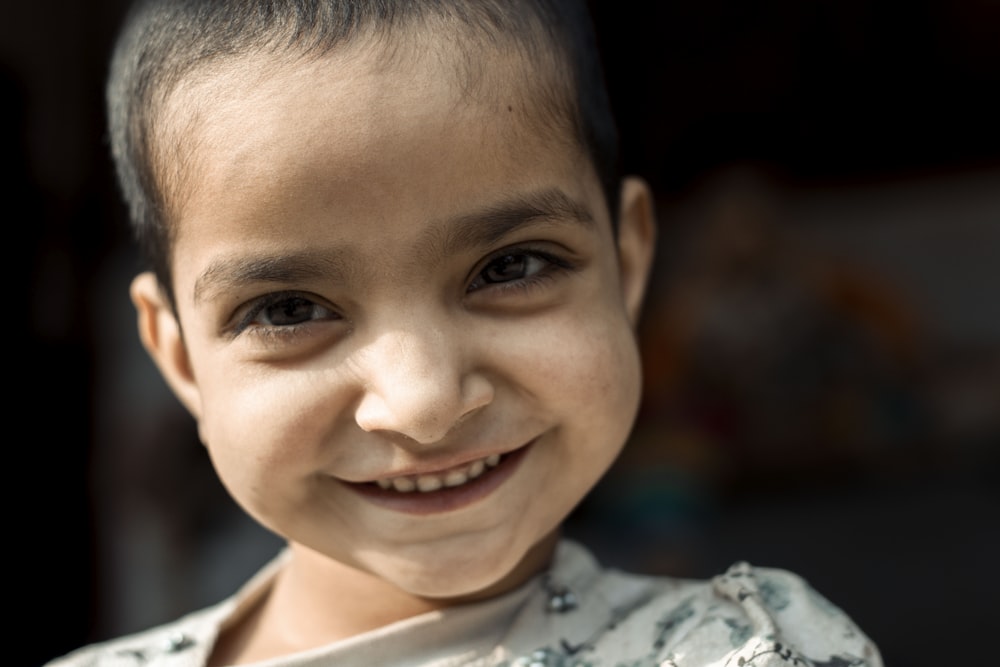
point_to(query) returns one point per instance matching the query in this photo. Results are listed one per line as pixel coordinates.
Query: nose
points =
(416, 384)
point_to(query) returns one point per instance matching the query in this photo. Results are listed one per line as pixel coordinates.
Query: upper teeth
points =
(434, 481)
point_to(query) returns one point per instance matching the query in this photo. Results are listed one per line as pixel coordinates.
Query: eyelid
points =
(242, 318)
(555, 261)
(548, 250)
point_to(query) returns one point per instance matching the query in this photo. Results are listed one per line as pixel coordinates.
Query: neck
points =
(306, 606)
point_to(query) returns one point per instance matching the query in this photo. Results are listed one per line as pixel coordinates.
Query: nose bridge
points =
(416, 382)
(416, 353)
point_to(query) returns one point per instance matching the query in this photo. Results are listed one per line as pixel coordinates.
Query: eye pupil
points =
(289, 311)
(508, 267)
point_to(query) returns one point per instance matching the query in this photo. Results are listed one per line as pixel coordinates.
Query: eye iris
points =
(289, 311)
(508, 267)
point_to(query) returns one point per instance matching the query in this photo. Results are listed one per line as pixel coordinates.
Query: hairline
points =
(145, 159)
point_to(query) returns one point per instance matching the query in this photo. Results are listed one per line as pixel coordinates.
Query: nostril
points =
(418, 387)
(419, 420)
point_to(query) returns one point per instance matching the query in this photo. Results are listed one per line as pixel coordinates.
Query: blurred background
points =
(822, 340)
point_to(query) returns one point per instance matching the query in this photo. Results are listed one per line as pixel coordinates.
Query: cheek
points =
(266, 424)
(265, 434)
(585, 364)
(605, 384)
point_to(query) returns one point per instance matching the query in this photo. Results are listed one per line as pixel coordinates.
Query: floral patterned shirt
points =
(577, 614)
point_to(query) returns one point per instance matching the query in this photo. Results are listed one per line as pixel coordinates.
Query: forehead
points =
(358, 138)
(260, 111)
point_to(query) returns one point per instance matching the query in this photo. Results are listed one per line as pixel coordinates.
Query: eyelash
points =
(255, 308)
(553, 264)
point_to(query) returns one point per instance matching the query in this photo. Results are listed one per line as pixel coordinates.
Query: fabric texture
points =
(577, 614)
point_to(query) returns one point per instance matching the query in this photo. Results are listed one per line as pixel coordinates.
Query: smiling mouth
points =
(430, 482)
(445, 490)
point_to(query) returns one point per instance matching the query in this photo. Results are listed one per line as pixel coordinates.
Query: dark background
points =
(822, 339)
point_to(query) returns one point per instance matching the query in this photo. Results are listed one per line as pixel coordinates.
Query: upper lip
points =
(443, 466)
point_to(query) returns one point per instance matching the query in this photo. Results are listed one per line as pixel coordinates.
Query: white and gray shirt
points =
(577, 614)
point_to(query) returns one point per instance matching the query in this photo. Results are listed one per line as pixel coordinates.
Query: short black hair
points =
(163, 41)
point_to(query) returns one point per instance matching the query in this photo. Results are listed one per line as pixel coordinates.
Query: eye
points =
(514, 265)
(283, 311)
(294, 310)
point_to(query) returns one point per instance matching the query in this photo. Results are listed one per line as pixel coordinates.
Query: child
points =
(395, 278)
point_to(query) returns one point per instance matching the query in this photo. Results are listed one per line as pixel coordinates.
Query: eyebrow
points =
(466, 231)
(490, 225)
(229, 273)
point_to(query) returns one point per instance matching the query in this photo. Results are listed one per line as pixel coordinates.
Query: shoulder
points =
(754, 617)
(185, 642)
(777, 618)
(747, 616)
(182, 643)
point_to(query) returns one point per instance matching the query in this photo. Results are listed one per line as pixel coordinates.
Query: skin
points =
(353, 308)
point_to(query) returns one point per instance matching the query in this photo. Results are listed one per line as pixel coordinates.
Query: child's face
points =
(381, 284)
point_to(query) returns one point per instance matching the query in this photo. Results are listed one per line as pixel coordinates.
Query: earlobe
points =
(161, 335)
(636, 243)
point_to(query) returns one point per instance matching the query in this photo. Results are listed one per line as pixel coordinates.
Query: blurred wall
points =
(822, 340)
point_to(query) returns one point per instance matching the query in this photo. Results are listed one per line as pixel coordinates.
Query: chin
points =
(448, 578)
(467, 575)
(453, 588)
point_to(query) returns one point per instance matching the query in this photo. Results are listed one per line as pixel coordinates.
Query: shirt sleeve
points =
(786, 623)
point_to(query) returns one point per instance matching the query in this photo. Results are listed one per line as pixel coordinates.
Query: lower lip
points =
(447, 499)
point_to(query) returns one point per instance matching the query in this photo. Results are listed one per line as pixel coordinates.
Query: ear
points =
(636, 243)
(160, 333)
